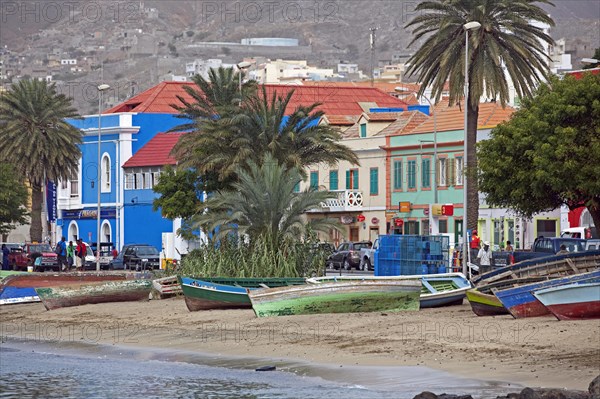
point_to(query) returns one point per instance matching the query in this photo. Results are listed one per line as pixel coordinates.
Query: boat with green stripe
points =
(350, 296)
(227, 292)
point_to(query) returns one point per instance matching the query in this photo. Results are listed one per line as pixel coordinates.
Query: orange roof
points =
(381, 116)
(340, 120)
(406, 123)
(335, 100)
(156, 152)
(452, 118)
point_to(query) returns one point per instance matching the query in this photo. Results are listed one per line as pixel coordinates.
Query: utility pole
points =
(372, 46)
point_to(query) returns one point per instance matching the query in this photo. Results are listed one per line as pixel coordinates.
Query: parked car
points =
(136, 256)
(347, 255)
(367, 259)
(548, 247)
(26, 256)
(592, 245)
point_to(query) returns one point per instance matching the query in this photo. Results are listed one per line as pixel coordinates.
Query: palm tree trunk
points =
(594, 210)
(471, 173)
(35, 229)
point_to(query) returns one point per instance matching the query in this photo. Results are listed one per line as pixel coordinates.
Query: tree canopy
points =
(548, 154)
(509, 43)
(37, 140)
(13, 199)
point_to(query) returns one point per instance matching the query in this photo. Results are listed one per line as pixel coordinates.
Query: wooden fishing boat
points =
(557, 265)
(166, 286)
(225, 292)
(483, 301)
(520, 302)
(575, 301)
(337, 297)
(437, 290)
(90, 293)
(20, 288)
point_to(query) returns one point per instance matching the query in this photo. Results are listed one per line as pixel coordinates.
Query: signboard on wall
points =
(404, 206)
(51, 201)
(89, 213)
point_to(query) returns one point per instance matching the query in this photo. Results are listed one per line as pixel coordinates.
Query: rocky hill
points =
(131, 44)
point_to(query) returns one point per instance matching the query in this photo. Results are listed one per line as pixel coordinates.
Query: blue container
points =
(432, 268)
(442, 269)
(424, 269)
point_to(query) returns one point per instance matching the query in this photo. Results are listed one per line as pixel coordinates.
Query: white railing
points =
(346, 200)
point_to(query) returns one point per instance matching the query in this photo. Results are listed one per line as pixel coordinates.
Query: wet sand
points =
(537, 352)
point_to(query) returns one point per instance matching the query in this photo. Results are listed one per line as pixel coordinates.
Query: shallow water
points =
(31, 369)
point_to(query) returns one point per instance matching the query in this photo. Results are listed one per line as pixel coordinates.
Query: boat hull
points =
(221, 293)
(338, 297)
(485, 304)
(92, 293)
(572, 301)
(521, 303)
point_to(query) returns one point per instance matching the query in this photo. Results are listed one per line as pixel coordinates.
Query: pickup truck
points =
(548, 247)
(19, 260)
(367, 256)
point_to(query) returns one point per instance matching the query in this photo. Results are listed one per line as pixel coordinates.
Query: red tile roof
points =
(340, 120)
(156, 152)
(381, 116)
(336, 100)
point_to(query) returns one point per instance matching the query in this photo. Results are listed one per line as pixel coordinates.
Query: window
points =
(297, 187)
(105, 173)
(397, 175)
(442, 179)
(314, 180)
(75, 184)
(155, 178)
(147, 180)
(139, 183)
(374, 181)
(443, 226)
(129, 181)
(459, 170)
(363, 130)
(333, 180)
(425, 177)
(352, 179)
(412, 174)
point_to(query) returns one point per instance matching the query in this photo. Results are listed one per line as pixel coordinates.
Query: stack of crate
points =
(400, 255)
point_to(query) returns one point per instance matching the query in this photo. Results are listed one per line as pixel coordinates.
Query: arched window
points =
(105, 173)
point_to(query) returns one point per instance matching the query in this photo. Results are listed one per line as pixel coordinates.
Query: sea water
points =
(30, 369)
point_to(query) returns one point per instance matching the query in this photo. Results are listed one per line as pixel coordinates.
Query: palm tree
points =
(263, 203)
(261, 126)
(507, 40)
(36, 139)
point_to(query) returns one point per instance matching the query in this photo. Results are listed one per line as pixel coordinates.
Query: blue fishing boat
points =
(521, 302)
(575, 301)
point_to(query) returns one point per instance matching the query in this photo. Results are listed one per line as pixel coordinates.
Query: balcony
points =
(345, 201)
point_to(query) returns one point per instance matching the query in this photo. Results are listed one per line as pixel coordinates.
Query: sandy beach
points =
(537, 352)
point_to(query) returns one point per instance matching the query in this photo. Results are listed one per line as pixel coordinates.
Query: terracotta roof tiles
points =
(156, 152)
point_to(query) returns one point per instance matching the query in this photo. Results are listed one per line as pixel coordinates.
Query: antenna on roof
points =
(372, 46)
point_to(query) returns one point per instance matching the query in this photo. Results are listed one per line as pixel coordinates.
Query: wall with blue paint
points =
(150, 125)
(143, 225)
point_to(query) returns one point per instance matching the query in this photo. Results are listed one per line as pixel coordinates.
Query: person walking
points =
(70, 254)
(5, 253)
(509, 246)
(61, 251)
(80, 251)
(485, 258)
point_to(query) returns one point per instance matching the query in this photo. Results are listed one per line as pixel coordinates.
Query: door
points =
(373, 233)
(353, 234)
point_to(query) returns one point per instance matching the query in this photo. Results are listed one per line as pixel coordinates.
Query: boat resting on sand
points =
(575, 301)
(437, 290)
(520, 301)
(227, 292)
(89, 293)
(338, 297)
(20, 288)
(166, 286)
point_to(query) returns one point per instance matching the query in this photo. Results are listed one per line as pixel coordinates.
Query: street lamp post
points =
(101, 88)
(473, 25)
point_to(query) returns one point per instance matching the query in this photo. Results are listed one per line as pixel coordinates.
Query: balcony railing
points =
(346, 200)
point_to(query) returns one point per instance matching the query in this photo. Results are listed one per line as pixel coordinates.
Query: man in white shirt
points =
(485, 256)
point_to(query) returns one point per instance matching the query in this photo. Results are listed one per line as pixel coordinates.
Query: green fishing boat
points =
(338, 297)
